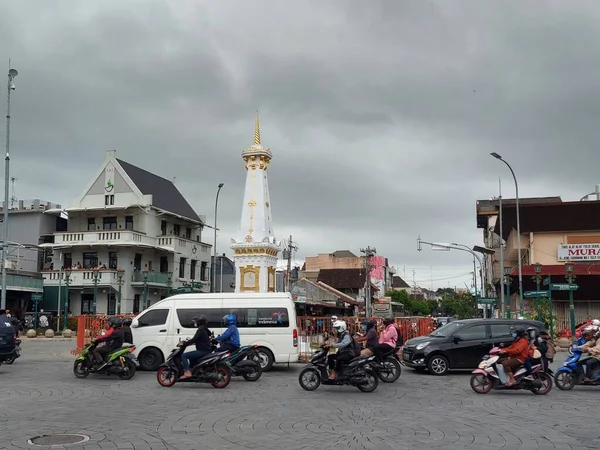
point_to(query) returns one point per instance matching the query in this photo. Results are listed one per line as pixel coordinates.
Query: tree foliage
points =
(414, 306)
(461, 305)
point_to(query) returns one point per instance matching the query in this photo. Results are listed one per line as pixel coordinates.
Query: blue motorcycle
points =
(578, 343)
(572, 372)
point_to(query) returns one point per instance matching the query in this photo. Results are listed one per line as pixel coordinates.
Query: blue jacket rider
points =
(230, 339)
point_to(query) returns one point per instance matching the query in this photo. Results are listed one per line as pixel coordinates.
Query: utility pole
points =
(288, 254)
(369, 252)
(13, 198)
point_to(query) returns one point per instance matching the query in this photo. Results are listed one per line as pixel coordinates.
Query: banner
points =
(579, 252)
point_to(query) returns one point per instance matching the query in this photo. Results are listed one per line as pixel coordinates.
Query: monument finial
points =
(256, 130)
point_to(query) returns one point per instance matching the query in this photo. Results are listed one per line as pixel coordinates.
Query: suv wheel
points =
(438, 365)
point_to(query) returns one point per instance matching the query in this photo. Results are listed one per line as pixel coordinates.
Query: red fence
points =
(313, 330)
(89, 327)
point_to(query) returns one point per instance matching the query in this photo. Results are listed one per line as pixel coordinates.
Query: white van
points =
(267, 320)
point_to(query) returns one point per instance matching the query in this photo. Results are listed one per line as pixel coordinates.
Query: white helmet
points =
(596, 323)
(339, 326)
(333, 319)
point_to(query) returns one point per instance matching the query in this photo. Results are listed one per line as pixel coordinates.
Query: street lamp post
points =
(145, 304)
(519, 262)
(570, 277)
(12, 73)
(214, 258)
(120, 273)
(96, 273)
(537, 278)
(67, 282)
(169, 283)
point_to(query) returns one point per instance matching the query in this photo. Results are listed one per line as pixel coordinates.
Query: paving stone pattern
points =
(39, 395)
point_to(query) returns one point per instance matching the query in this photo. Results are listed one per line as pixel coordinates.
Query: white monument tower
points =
(255, 249)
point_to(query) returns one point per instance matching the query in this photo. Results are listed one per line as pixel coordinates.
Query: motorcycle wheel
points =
(129, 373)
(564, 381)
(392, 371)
(309, 379)
(371, 381)
(9, 360)
(225, 377)
(547, 384)
(80, 369)
(255, 374)
(481, 384)
(166, 376)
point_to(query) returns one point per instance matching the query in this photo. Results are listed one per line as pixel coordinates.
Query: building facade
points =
(255, 248)
(29, 225)
(224, 274)
(130, 231)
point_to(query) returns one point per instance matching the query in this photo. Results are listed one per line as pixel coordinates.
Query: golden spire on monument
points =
(257, 155)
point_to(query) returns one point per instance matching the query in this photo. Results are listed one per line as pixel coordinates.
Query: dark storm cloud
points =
(381, 115)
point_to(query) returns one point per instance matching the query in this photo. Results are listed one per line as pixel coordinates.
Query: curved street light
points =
(214, 259)
(519, 263)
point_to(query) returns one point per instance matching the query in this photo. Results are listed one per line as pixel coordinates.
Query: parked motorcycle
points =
(572, 372)
(243, 362)
(491, 375)
(16, 353)
(119, 362)
(357, 373)
(210, 369)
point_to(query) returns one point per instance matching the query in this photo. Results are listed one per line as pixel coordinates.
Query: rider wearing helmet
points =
(230, 339)
(202, 341)
(592, 346)
(113, 340)
(540, 344)
(370, 337)
(127, 331)
(517, 353)
(345, 346)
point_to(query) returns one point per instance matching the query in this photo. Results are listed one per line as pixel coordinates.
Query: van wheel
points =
(438, 365)
(150, 359)
(265, 358)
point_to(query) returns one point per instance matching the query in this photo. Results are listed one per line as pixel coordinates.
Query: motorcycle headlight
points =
(422, 345)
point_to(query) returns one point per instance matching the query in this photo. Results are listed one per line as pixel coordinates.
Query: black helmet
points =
(520, 332)
(533, 332)
(114, 322)
(127, 321)
(368, 323)
(199, 320)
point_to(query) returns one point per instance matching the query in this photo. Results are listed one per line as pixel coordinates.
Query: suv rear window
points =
(501, 330)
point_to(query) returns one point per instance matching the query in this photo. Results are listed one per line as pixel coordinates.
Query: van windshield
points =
(447, 329)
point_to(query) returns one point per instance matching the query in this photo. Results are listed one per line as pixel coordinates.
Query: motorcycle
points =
(491, 375)
(357, 373)
(119, 362)
(388, 370)
(243, 362)
(572, 372)
(209, 369)
(15, 354)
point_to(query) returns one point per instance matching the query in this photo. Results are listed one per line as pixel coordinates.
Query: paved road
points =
(39, 395)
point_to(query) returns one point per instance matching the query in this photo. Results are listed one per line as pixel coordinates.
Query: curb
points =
(53, 339)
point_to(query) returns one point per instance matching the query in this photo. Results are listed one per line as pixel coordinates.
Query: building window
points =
(204, 271)
(163, 264)
(112, 304)
(176, 230)
(90, 260)
(182, 267)
(112, 260)
(91, 224)
(129, 222)
(68, 261)
(109, 200)
(136, 303)
(188, 233)
(193, 264)
(163, 227)
(109, 223)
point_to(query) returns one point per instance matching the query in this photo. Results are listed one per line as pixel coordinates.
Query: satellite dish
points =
(13, 73)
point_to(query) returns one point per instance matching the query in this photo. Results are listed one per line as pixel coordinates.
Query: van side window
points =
(214, 316)
(501, 330)
(153, 317)
(476, 332)
(262, 317)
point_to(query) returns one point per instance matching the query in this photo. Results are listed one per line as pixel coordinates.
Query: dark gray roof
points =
(164, 193)
(343, 254)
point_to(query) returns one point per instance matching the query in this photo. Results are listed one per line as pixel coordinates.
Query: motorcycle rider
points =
(230, 339)
(345, 346)
(370, 337)
(113, 340)
(517, 353)
(127, 330)
(202, 341)
(592, 346)
(388, 338)
(535, 340)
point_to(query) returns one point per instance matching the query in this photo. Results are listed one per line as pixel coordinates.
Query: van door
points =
(469, 345)
(152, 328)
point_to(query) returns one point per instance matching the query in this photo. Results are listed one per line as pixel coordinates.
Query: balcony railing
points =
(20, 282)
(80, 277)
(103, 237)
(176, 243)
(150, 277)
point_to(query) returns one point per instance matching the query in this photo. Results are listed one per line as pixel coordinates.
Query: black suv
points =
(461, 344)
(7, 339)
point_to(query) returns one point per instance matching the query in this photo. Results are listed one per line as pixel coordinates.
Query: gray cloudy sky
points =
(381, 115)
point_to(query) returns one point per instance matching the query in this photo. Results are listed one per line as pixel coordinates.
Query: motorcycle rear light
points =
(295, 337)
(131, 349)
(227, 355)
(255, 345)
